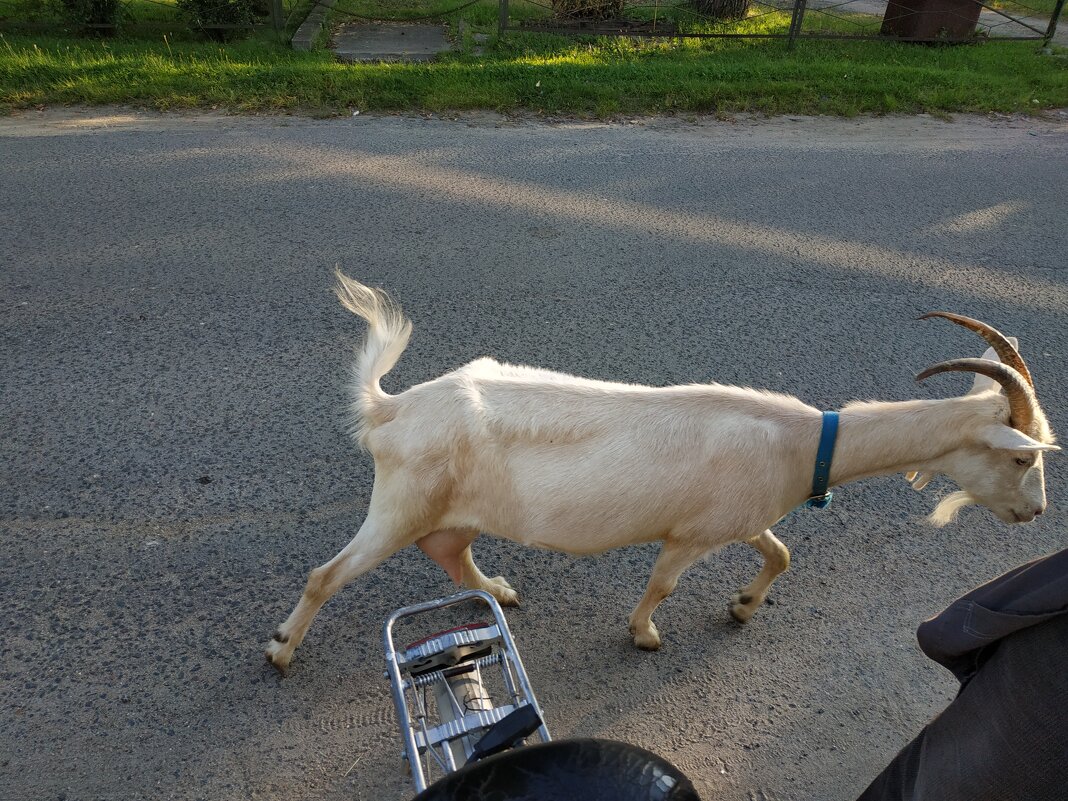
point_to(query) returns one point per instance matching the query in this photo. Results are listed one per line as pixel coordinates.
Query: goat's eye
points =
(1023, 462)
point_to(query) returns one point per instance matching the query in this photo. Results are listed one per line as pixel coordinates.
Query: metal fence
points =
(933, 21)
(901, 20)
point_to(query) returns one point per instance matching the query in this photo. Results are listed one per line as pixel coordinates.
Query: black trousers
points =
(1004, 737)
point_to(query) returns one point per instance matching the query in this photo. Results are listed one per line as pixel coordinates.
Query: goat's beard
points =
(948, 507)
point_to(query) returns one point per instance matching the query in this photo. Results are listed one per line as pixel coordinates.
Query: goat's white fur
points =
(947, 509)
(581, 466)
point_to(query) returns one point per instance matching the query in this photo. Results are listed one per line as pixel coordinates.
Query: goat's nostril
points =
(1039, 511)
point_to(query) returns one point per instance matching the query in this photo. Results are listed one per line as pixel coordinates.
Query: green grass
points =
(1040, 9)
(550, 74)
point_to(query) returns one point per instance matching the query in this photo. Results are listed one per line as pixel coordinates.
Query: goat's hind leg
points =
(673, 560)
(451, 548)
(378, 538)
(748, 599)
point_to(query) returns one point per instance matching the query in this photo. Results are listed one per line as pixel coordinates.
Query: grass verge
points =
(541, 73)
(1038, 9)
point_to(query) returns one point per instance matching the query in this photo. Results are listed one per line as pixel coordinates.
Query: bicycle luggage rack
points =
(448, 668)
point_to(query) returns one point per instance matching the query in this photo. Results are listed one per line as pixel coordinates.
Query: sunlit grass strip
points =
(542, 73)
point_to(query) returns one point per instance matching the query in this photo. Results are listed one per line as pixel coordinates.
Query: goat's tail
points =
(388, 331)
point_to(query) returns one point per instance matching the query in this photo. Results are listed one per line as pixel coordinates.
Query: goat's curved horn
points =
(1022, 401)
(997, 340)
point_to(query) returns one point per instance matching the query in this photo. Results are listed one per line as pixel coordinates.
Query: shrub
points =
(203, 14)
(92, 12)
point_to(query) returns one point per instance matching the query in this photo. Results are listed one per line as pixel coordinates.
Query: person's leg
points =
(1002, 739)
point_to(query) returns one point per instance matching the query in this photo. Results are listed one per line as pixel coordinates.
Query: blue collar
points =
(820, 497)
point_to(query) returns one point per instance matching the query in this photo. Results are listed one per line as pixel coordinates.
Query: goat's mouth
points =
(1019, 518)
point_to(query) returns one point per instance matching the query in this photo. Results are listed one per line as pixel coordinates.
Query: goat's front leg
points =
(673, 560)
(747, 600)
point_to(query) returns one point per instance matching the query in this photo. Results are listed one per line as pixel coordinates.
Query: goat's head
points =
(1000, 466)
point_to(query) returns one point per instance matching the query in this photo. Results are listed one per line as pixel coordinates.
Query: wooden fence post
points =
(796, 21)
(1052, 29)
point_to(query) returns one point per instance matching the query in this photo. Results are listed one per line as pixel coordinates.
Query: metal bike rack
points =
(449, 668)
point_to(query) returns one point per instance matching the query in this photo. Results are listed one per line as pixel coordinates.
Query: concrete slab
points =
(308, 32)
(390, 42)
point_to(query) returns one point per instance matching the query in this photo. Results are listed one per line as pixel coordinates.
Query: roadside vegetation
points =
(598, 76)
(59, 12)
(1028, 8)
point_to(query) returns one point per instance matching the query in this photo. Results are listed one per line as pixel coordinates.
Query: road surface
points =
(174, 456)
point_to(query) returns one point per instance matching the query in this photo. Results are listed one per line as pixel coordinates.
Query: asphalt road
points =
(174, 459)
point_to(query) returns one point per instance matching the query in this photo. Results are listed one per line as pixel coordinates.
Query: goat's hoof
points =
(282, 668)
(742, 614)
(743, 606)
(503, 592)
(648, 640)
(648, 644)
(277, 657)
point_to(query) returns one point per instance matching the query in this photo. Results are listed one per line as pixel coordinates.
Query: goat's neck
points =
(882, 438)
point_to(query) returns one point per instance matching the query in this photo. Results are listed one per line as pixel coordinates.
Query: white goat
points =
(581, 466)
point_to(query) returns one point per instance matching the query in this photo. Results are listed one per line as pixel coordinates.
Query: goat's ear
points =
(1009, 439)
(981, 382)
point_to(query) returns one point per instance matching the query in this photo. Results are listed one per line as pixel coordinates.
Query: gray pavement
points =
(174, 457)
